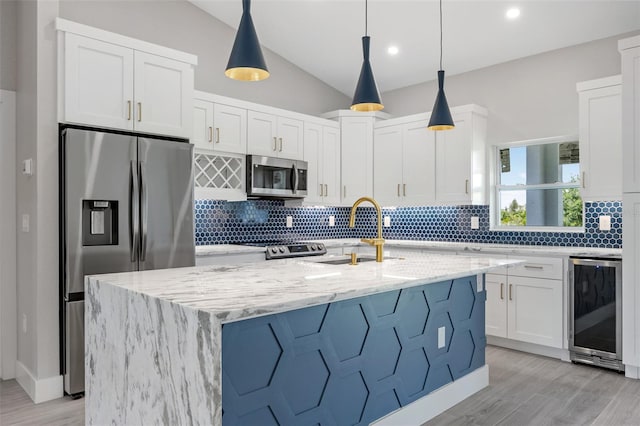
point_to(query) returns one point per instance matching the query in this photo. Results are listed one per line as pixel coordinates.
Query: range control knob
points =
(313, 247)
(274, 250)
(281, 249)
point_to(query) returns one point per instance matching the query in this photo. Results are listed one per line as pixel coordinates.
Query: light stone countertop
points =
(509, 249)
(235, 292)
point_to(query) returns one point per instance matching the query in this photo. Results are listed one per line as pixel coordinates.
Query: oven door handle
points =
(294, 178)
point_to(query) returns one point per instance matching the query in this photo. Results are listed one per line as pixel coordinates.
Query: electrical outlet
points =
(332, 220)
(289, 222)
(25, 222)
(475, 222)
(441, 337)
(604, 223)
(24, 323)
(387, 221)
(27, 167)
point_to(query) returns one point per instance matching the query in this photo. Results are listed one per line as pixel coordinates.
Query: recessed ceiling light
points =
(513, 13)
(393, 50)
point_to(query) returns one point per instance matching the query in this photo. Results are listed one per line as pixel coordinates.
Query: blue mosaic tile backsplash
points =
(221, 222)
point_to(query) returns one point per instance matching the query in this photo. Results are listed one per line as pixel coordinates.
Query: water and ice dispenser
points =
(99, 223)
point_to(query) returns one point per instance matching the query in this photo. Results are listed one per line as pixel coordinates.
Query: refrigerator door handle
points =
(144, 210)
(134, 213)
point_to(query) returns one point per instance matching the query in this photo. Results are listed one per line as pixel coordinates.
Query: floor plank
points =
(524, 389)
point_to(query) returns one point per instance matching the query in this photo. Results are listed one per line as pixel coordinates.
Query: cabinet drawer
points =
(537, 267)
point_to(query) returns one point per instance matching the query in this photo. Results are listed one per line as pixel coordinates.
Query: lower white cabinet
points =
(526, 308)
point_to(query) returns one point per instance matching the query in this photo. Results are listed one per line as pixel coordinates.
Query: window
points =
(537, 185)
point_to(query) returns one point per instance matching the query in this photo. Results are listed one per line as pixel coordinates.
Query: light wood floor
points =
(524, 390)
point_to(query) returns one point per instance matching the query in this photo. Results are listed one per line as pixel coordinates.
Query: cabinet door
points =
(331, 165)
(535, 311)
(356, 146)
(98, 83)
(630, 119)
(312, 155)
(290, 142)
(601, 143)
(163, 95)
(496, 308)
(202, 136)
(387, 165)
(230, 129)
(453, 163)
(261, 134)
(418, 164)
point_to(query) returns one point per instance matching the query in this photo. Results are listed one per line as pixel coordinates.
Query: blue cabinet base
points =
(353, 361)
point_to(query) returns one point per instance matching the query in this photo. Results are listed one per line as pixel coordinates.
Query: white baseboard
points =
(438, 401)
(39, 390)
(632, 372)
(532, 348)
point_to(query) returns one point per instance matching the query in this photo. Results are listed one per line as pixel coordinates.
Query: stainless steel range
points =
(283, 250)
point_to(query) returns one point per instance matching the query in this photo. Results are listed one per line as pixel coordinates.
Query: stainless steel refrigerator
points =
(126, 205)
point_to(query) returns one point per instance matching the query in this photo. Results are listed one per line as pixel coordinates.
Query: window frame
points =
(497, 187)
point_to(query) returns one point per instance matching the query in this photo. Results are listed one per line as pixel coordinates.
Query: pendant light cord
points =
(440, 34)
(366, 17)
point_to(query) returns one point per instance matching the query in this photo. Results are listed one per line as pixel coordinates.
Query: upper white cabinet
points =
(109, 80)
(630, 52)
(218, 127)
(460, 158)
(274, 135)
(404, 163)
(600, 134)
(322, 153)
(356, 148)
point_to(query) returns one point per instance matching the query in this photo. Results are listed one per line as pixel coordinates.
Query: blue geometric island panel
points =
(221, 222)
(354, 361)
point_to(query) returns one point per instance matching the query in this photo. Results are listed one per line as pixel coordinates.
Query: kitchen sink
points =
(347, 260)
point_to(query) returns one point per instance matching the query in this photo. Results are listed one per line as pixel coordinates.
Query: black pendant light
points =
(441, 116)
(246, 62)
(366, 97)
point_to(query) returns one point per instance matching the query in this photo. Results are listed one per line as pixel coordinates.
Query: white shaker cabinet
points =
(460, 158)
(274, 136)
(630, 52)
(322, 153)
(109, 80)
(218, 127)
(600, 135)
(404, 163)
(356, 148)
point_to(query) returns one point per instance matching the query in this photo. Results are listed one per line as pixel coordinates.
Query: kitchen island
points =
(293, 341)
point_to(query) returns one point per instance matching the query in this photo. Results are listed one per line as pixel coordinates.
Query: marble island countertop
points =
(225, 249)
(234, 292)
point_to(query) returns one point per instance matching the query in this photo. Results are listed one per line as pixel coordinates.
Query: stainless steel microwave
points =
(271, 177)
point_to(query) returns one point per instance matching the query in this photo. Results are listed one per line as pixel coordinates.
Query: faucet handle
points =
(373, 241)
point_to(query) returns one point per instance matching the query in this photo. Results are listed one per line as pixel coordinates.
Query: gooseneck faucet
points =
(377, 242)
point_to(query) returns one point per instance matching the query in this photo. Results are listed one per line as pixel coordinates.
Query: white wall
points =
(181, 25)
(528, 98)
(8, 44)
(8, 339)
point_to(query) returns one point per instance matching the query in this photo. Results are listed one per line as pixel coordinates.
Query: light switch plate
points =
(332, 220)
(289, 222)
(475, 222)
(604, 223)
(387, 221)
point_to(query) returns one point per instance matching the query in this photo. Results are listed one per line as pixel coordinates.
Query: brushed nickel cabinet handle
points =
(501, 291)
(210, 134)
(466, 186)
(583, 182)
(533, 267)
(280, 144)
(321, 192)
(510, 294)
(398, 190)
(404, 189)
(326, 190)
(139, 111)
(344, 191)
(217, 134)
(128, 110)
